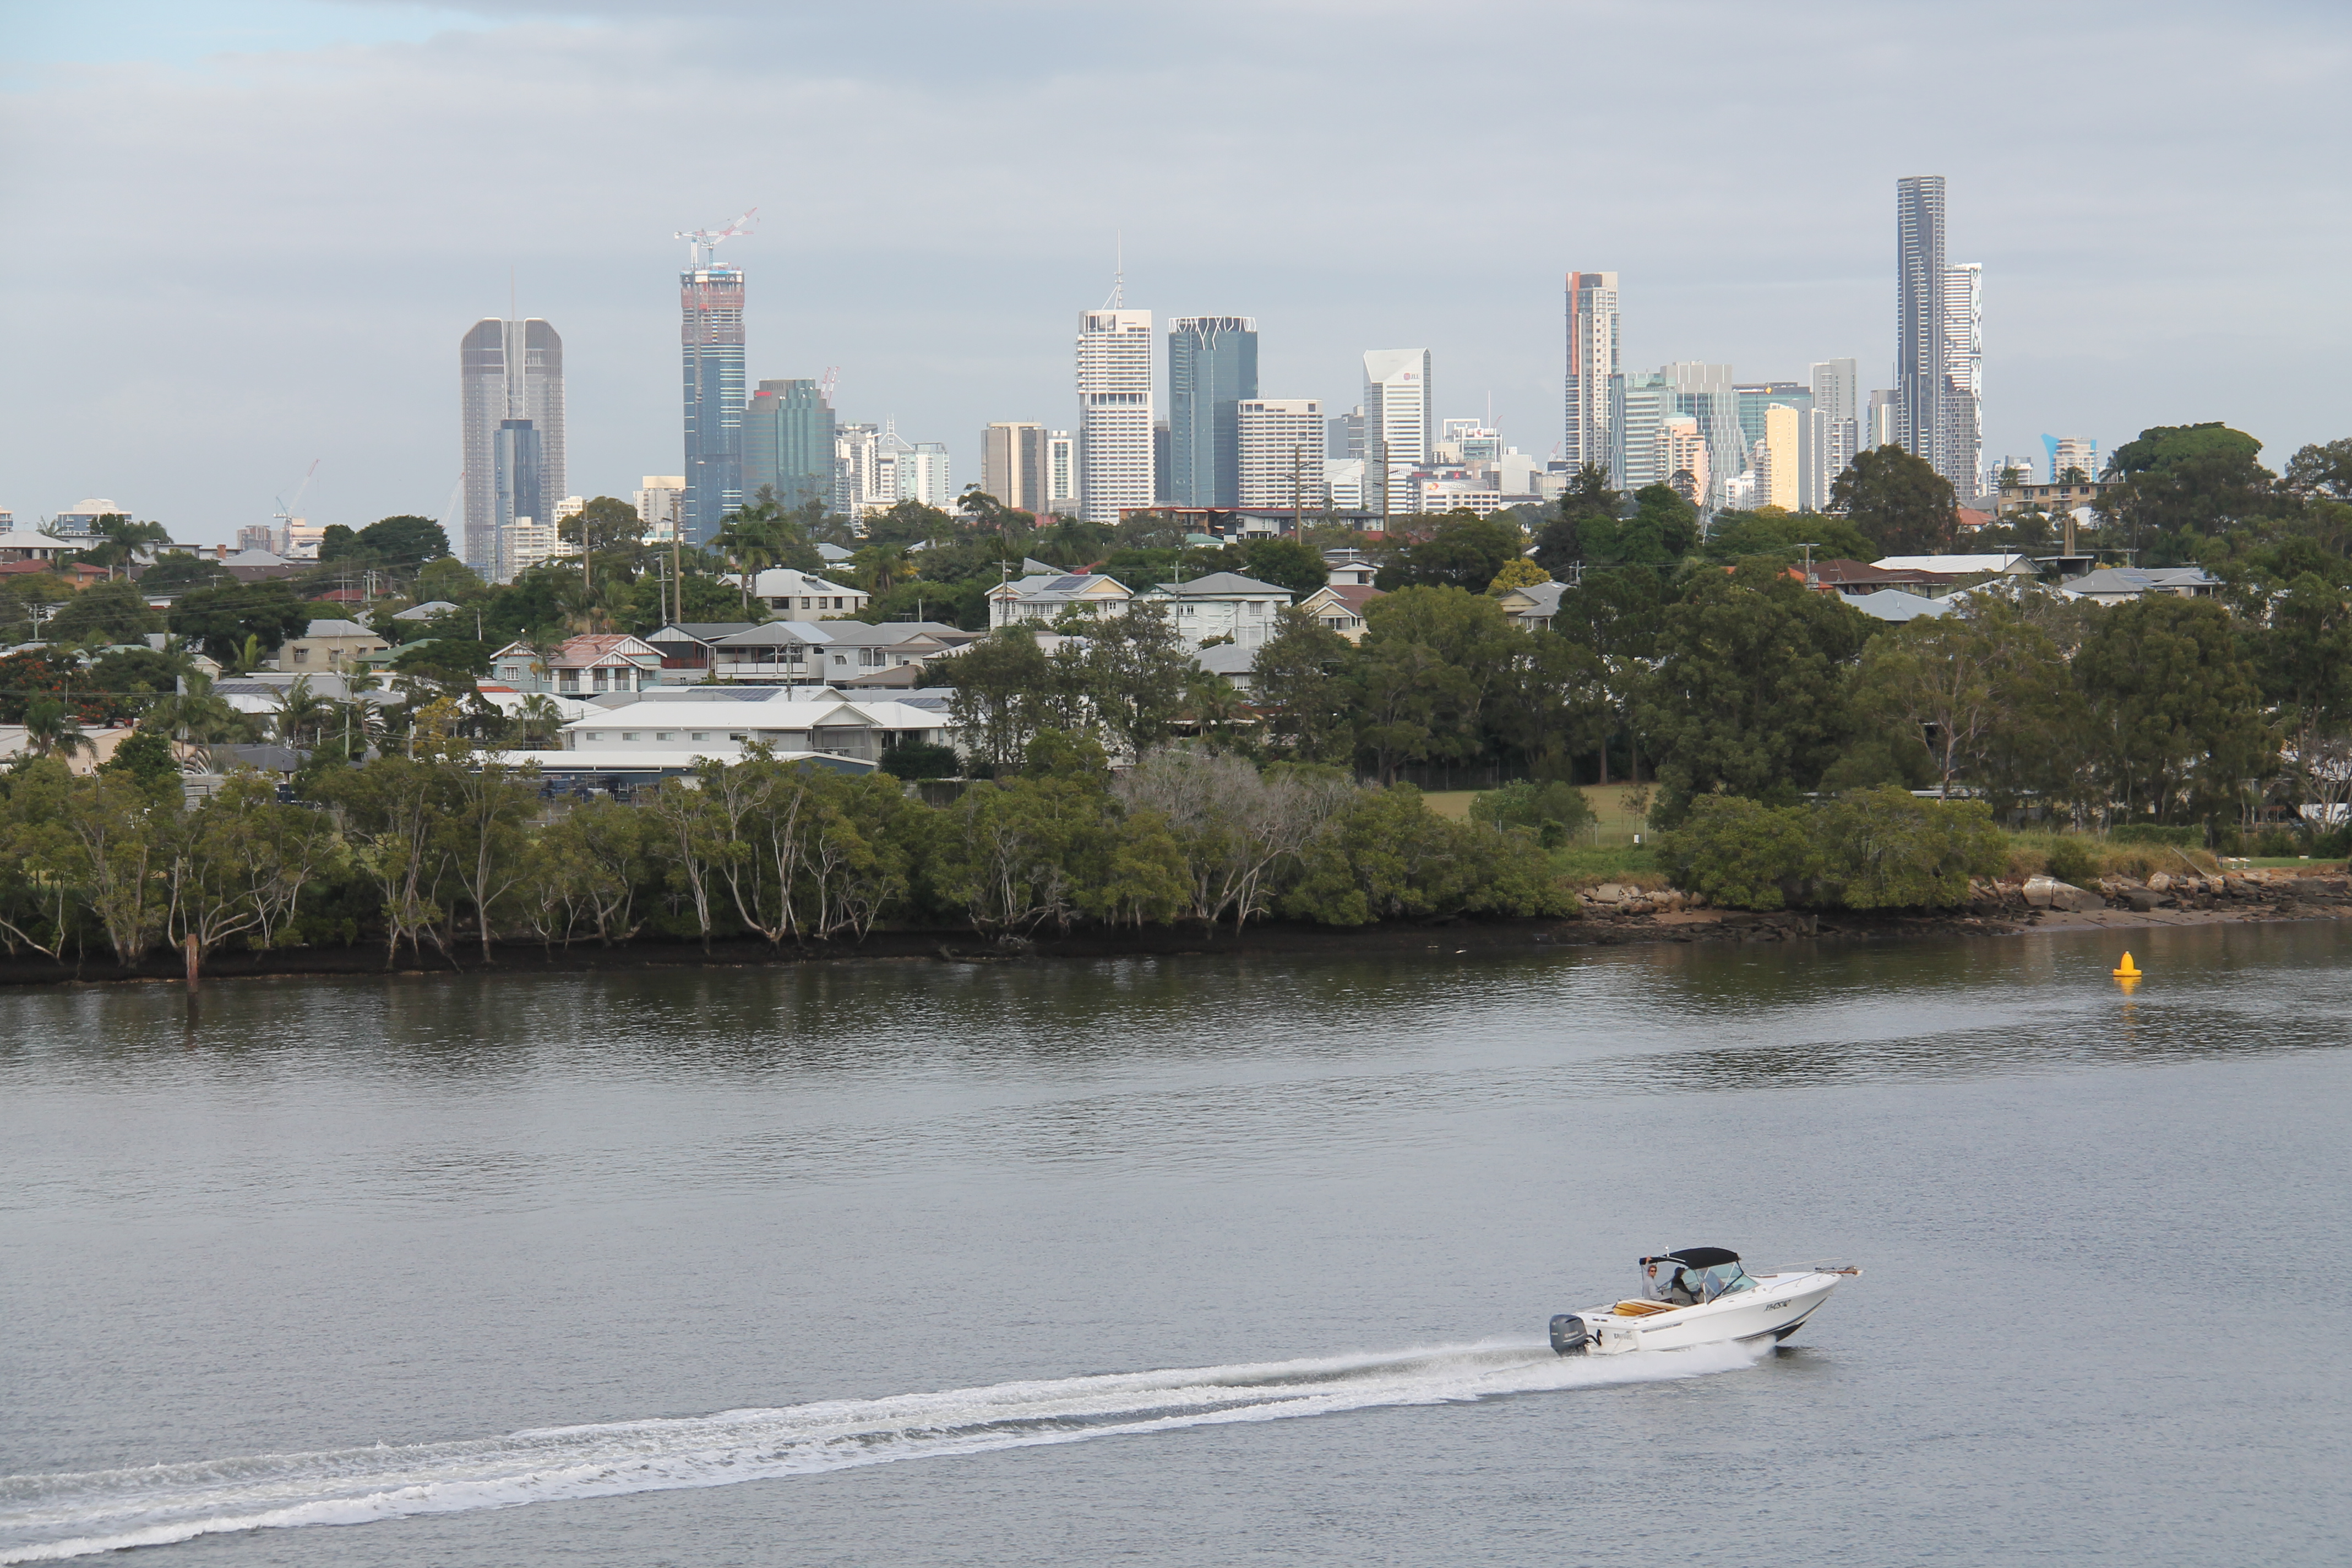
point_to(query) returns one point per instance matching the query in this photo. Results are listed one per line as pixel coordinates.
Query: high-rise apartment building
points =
(2079, 452)
(510, 402)
(924, 475)
(858, 469)
(1679, 458)
(1013, 466)
(1399, 428)
(661, 506)
(1640, 403)
(1756, 396)
(1280, 444)
(787, 448)
(1115, 412)
(1882, 421)
(1211, 367)
(1593, 368)
(710, 297)
(1920, 307)
(1960, 448)
(1836, 391)
(1706, 393)
(1343, 435)
(1064, 471)
(1779, 457)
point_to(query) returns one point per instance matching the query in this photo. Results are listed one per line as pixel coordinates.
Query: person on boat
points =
(1683, 1290)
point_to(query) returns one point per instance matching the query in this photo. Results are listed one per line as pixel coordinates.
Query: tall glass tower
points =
(1212, 368)
(1919, 311)
(1593, 368)
(787, 442)
(509, 375)
(710, 297)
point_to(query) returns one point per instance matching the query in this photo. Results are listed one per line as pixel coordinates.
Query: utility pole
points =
(1808, 546)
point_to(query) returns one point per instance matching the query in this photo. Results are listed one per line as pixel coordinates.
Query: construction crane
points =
(832, 379)
(703, 242)
(284, 515)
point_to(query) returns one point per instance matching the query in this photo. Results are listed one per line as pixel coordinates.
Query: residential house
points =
(580, 666)
(801, 651)
(1237, 663)
(28, 546)
(2117, 584)
(1534, 604)
(1340, 607)
(1894, 604)
(2005, 563)
(788, 592)
(329, 645)
(1852, 578)
(426, 611)
(685, 645)
(1046, 598)
(1223, 604)
(789, 721)
(1349, 568)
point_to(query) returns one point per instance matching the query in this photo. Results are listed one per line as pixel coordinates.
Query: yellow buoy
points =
(2126, 970)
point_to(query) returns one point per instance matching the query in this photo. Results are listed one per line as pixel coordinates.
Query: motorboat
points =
(1700, 1295)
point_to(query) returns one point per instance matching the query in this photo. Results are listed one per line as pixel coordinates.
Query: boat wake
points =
(48, 1518)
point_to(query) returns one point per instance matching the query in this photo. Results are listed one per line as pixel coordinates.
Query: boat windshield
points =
(1723, 1279)
(1694, 1276)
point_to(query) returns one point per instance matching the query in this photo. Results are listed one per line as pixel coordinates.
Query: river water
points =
(1201, 1260)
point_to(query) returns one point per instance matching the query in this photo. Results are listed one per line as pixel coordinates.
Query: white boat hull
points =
(1773, 1310)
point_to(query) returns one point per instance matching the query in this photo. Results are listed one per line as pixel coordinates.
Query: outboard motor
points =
(1569, 1334)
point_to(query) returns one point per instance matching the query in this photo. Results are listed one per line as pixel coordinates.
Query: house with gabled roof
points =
(581, 666)
(1045, 597)
(1340, 607)
(1221, 604)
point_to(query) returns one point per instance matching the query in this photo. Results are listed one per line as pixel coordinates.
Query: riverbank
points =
(1633, 922)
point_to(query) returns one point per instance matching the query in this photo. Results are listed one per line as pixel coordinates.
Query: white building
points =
(813, 720)
(1962, 446)
(787, 591)
(923, 476)
(2074, 452)
(1222, 605)
(1780, 467)
(1594, 367)
(1046, 598)
(527, 543)
(1469, 494)
(1680, 447)
(1281, 452)
(1115, 412)
(1063, 496)
(1399, 428)
(1837, 399)
(1343, 482)
(661, 505)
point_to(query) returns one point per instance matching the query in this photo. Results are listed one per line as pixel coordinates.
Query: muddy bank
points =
(1631, 922)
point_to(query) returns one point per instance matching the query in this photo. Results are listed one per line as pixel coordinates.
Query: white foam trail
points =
(48, 1518)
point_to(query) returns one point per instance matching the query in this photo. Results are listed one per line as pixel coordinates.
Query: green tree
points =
(2188, 479)
(1743, 854)
(1747, 697)
(1388, 857)
(1553, 812)
(390, 808)
(1882, 849)
(1285, 564)
(51, 730)
(1002, 684)
(2317, 472)
(1459, 550)
(176, 571)
(1301, 681)
(1986, 692)
(1560, 547)
(103, 612)
(1132, 675)
(145, 757)
(238, 866)
(1236, 829)
(232, 620)
(1777, 535)
(1896, 503)
(609, 524)
(1458, 646)
(2175, 704)
(341, 542)
(1663, 528)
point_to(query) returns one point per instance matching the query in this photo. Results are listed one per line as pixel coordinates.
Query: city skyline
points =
(359, 142)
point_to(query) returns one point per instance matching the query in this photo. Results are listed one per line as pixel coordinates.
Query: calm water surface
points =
(1197, 1262)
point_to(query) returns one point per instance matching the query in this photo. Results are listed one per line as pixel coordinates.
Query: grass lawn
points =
(1615, 819)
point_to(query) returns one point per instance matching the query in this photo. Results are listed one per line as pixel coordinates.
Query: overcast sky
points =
(243, 235)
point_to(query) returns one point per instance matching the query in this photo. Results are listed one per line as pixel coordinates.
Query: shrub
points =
(2277, 844)
(2071, 860)
(1742, 853)
(1389, 857)
(920, 760)
(2155, 833)
(1554, 812)
(1886, 849)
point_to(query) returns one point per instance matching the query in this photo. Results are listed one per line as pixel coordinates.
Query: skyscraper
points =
(1919, 306)
(1063, 470)
(1706, 393)
(788, 443)
(1115, 413)
(1593, 366)
(712, 333)
(1280, 448)
(1640, 403)
(661, 505)
(1779, 457)
(924, 475)
(1961, 448)
(1398, 425)
(510, 381)
(1211, 367)
(1013, 464)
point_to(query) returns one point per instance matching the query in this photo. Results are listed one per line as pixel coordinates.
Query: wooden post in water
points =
(192, 961)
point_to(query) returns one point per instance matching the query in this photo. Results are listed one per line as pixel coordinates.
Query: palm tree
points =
(194, 716)
(541, 721)
(299, 710)
(750, 540)
(49, 730)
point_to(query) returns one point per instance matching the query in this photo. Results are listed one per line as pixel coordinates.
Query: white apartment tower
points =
(2071, 452)
(1063, 496)
(1960, 452)
(1281, 453)
(1398, 425)
(1592, 366)
(1115, 412)
(661, 506)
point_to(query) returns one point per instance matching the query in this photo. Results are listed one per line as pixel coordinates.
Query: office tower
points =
(1836, 385)
(1756, 396)
(1882, 422)
(520, 491)
(788, 443)
(2079, 452)
(1013, 466)
(1706, 393)
(1162, 464)
(1211, 367)
(857, 462)
(1064, 468)
(1115, 414)
(886, 479)
(1640, 402)
(710, 297)
(1279, 444)
(1780, 459)
(508, 372)
(924, 476)
(1592, 366)
(1397, 425)
(1920, 296)
(1960, 447)
(1343, 434)
(661, 505)
(1679, 458)
(1343, 482)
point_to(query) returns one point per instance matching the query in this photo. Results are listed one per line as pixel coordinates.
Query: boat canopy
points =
(1692, 1275)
